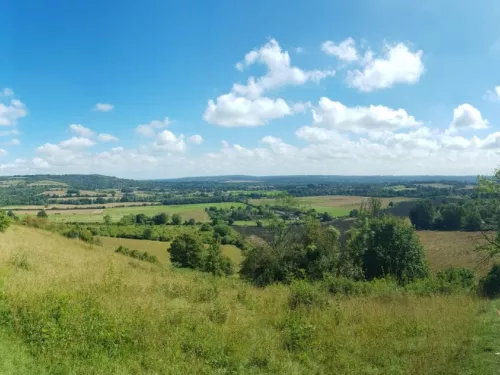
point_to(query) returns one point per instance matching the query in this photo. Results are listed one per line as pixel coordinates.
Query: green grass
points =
(47, 183)
(159, 249)
(187, 211)
(72, 308)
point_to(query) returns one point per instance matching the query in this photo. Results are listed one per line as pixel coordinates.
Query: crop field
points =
(452, 249)
(187, 211)
(159, 249)
(47, 183)
(336, 205)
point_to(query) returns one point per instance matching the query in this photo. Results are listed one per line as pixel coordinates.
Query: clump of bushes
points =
(136, 254)
(490, 284)
(187, 251)
(306, 295)
(5, 221)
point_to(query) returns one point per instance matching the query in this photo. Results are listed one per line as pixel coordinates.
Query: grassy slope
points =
(160, 248)
(80, 310)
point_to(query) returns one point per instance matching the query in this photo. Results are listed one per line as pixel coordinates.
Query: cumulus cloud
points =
(76, 142)
(465, 116)
(344, 51)
(280, 71)
(6, 92)
(245, 105)
(81, 130)
(398, 65)
(11, 112)
(493, 95)
(335, 115)
(233, 111)
(103, 137)
(196, 139)
(168, 141)
(103, 107)
(149, 130)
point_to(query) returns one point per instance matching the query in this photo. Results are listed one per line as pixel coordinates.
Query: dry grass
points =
(452, 249)
(80, 310)
(336, 205)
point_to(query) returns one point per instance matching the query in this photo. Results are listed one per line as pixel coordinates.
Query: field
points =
(452, 249)
(335, 205)
(159, 249)
(437, 185)
(72, 308)
(47, 183)
(187, 211)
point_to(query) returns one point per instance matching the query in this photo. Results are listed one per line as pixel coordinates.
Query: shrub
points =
(205, 227)
(42, 214)
(298, 333)
(456, 279)
(305, 294)
(4, 221)
(490, 284)
(80, 233)
(176, 219)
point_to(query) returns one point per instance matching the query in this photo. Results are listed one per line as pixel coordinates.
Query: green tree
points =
(216, 263)
(42, 214)
(4, 221)
(147, 234)
(107, 219)
(473, 221)
(422, 215)
(387, 246)
(176, 219)
(452, 216)
(160, 219)
(187, 251)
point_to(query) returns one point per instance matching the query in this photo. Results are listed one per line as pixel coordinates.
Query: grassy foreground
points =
(72, 308)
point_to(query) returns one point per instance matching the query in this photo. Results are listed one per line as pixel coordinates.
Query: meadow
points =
(187, 211)
(159, 249)
(335, 205)
(67, 307)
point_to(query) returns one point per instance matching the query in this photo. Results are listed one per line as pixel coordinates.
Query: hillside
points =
(69, 307)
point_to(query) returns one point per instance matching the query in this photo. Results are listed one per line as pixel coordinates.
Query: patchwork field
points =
(336, 205)
(187, 211)
(159, 249)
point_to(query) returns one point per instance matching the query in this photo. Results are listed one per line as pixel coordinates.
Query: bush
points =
(4, 221)
(216, 263)
(456, 279)
(80, 233)
(490, 284)
(176, 219)
(42, 214)
(205, 227)
(305, 294)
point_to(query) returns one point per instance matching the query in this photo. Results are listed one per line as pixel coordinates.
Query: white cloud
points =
(335, 115)
(11, 112)
(3, 152)
(493, 95)
(399, 65)
(280, 71)
(465, 116)
(299, 50)
(103, 107)
(149, 130)
(76, 142)
(234, 111)
(319, 135)
(6, 92)
(168, 141)
(196, 139)
(81, 131)
(14, 142)
(103, 137)
(345, 50)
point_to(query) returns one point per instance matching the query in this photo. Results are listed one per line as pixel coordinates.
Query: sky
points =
(163, 89)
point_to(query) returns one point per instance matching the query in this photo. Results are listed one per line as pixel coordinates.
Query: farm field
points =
(159, 249)
(187, 211)
(47, 183)
(452, 249)
(63, 207)
(336, 205)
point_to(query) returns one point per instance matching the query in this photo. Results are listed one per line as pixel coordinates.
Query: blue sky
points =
(358, 87)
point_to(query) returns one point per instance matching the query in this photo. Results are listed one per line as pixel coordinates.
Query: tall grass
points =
(79, 310)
